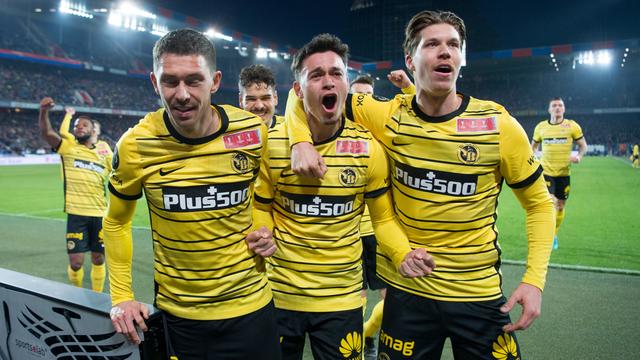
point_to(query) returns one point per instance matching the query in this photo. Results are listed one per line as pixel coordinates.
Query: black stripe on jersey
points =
(240, 239)
(242, 231)
(443, 230)
(436, 277)
(463, 271)
(278, 138)
(443, 221)
(243, 119)
(354, 262)
(318, 296)
(212, 301)
(245, 151)
(438, 119)
(359, 283)
(581, 137)
(449, 253)
(262, 200)
(334, 136)
(316, 186)
(156, 185)
(528, 181)
(477, 112)
(356, 230)
(347, 270)
(224, 124)
(441, 140)
(204, 270)
(156, 138)
(391, 149)
(330, 247)
(123, 196)
(376, 193)
(434, 295)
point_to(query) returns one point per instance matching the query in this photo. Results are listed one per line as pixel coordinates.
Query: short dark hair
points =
(557, 98)
(319, 43)
(185, 42)
(256, 74)
(363, 79)
(427, 18)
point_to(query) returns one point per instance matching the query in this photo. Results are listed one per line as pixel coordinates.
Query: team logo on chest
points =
(348, 177)
(240, 162)
(468, 153)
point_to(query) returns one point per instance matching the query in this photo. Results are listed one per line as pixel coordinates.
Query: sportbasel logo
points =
(51, 336)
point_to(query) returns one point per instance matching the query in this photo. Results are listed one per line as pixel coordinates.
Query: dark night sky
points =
(491, 25)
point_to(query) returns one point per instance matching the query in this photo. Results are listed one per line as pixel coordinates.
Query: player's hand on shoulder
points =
(128, 315)
(261, 242)
(417, 263)
(306, 161)
(399, 79)
(47, 103)
(530, 297)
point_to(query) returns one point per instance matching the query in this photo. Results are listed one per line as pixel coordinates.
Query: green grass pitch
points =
(586, 314)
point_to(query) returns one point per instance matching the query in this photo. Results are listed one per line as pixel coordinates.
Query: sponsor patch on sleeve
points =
(466, 125)
(352, 147)
(241, 139)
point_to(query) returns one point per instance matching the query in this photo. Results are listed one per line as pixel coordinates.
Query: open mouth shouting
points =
(330, 103)
(444, 69)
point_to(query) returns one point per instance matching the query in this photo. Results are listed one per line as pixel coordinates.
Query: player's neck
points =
(438, 105)
(209, 124)
(557, 119)
(320, 131)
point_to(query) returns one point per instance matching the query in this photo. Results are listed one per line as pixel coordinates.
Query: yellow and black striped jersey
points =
(446, 175)
(199, 194)
(317, 267)
(84, 171)
(636, 150)
(557, 142)
(366, 227)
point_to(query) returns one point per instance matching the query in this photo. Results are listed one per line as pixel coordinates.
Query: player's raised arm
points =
(46, 130)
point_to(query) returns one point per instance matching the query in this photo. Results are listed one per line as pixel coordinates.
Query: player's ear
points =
(154, 82)
(408, 62)
(217, 81)
(298, 89)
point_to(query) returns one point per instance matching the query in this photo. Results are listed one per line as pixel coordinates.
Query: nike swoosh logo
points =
(395, 143)
(163, 173)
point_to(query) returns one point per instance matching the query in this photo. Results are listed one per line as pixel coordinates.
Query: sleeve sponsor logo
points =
(433, 181)
(317, 205)
(469, 125)
(241, 139)
(88, 165)
(205, 197)
(352, 147)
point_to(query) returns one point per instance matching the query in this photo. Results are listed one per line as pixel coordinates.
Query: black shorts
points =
(333, 335)
(370, 278)
(414, 327)
(558, 186)
(251, 336)
(84, 233)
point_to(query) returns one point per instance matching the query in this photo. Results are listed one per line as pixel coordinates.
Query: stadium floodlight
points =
(261, 53)
(603, 57)
(159, 30)
(212, 33)
(130, 9)
(115, 19)
(73, 8)
(38, 10)
(273, 55)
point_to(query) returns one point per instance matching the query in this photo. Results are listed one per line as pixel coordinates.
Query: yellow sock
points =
(75, 277)
(364, 306)
(98, 273)
(559, 219)
(372, 325)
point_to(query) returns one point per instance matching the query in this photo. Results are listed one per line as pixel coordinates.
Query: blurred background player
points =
(557, 136)
(102, 147)
(85, 169)
(258, 95)
(635, 155)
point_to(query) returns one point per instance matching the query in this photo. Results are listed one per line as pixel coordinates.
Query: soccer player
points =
(101, 146)
(257, 88)
(635, 156)
(316, 274)
(449, 154)
(85, 170)
(557, 136)
(196, 163)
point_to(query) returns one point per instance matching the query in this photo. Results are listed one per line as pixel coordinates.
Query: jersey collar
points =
(443, 118)
(224, 124)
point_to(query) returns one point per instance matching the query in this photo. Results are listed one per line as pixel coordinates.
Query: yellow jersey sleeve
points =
(118, 244)
(64, 127)
(125, 179)
(576, 131)
(536, 134)
(517, 164)
(370, 111)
